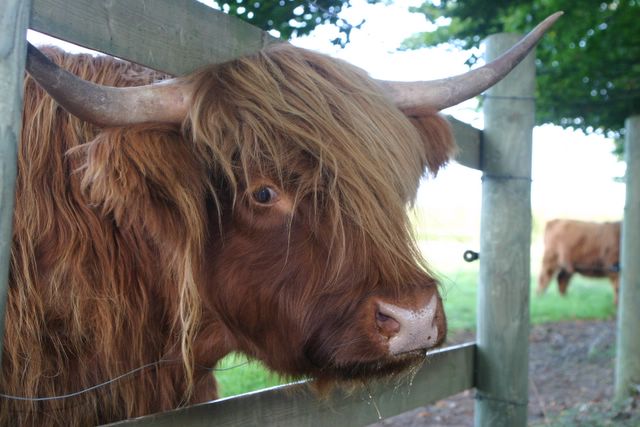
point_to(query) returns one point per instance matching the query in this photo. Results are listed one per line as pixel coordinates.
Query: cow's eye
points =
(265, 195)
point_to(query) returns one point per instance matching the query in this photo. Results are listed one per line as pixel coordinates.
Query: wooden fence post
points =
(505, 239)
(14, 18)
(628, 341)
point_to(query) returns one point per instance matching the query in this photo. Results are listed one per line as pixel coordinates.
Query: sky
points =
(573, 174)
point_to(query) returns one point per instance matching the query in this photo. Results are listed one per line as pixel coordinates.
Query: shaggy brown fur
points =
(588, 248)
(146, 244)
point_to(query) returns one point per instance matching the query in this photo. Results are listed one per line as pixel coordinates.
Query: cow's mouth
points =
(373, 369)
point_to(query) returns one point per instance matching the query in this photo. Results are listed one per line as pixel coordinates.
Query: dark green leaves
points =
(293, 17)
(588, 64)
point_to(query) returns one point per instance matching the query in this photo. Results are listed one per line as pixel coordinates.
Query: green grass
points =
(236, 375)
(459, 292)
(586, 299)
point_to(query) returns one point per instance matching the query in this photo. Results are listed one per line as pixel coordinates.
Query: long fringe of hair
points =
(324, 130)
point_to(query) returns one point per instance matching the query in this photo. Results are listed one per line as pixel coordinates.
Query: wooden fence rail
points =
(174, 36)
(627, 376)
(505, 242)
(14, 15)
(445, 372)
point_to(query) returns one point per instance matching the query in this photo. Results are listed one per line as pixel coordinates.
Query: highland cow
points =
(591, 249)
(256, 206)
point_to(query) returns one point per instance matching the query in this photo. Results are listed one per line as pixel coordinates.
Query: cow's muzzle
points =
(410, 329)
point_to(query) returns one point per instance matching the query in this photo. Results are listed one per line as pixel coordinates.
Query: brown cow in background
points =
(588, 248)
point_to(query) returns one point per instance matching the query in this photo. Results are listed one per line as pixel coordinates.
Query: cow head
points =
(309, 265)
(315, 271)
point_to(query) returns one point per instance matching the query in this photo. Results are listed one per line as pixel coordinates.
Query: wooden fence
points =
(178, 36)
(627, 377)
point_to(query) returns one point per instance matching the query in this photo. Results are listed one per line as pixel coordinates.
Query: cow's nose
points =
(408, 329)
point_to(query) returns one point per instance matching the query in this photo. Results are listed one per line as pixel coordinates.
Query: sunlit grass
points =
(586, 299)
(459, 291)
(236, 375)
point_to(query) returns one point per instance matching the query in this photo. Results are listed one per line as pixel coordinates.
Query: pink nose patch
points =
(417, 329)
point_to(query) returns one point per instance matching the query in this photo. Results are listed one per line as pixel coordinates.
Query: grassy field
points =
(236, 375)
(586, 299)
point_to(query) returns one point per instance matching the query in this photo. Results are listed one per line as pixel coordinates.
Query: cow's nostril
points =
(387, 325)
(380, 317)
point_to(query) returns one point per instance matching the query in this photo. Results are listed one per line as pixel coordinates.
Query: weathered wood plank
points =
(505, 239)
(174, 36)
(627, 377)
(14, 16)
(446, 372)
(469, 140)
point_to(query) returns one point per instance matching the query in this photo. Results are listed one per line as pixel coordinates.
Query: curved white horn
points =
(417, 98)
(108, 106)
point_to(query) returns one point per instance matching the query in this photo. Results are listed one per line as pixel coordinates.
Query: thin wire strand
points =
(511, 98)
(483, 396)
(488, 176)
(103, 384)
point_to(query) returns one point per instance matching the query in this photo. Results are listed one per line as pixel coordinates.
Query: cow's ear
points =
(128, 177)
(437, 138)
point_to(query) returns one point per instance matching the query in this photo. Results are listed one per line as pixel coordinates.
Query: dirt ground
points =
(570, 382)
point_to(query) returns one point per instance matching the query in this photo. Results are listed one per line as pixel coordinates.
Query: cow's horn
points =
(108, 106)
(416, 98)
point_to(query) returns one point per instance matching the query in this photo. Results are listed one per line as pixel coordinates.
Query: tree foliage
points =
(588, 65)
(293, 18)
